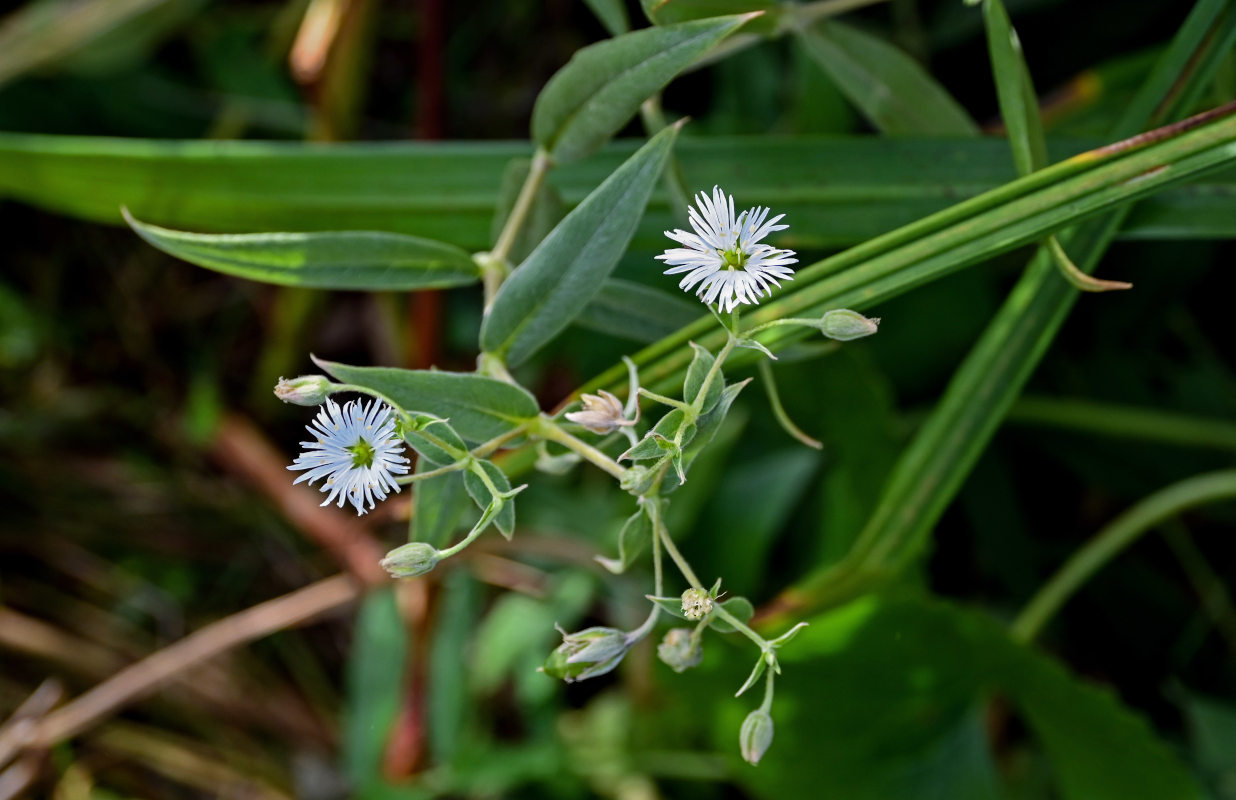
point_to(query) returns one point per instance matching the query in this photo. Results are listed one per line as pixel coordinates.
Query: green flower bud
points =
(586, 654)
(411, 560)
(307, 390)
(845, 325)
(679, 650)
(756, 735)
(696, 604)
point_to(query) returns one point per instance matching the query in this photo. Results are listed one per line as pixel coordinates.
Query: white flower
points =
(724, 255)
(356, 450)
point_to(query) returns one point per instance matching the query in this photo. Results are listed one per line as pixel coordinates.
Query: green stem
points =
(433, 473)
(351, 387)
(486, 449)
(546, 428)
(523, 206)
(660, 398)
(774, 400)
(742, 628)
(1113, 539)
(770, 678)
(476, 531)
(714, 370)
(663, 534)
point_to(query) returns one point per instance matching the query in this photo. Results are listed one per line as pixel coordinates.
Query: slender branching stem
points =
(546, 428)
(523, 206)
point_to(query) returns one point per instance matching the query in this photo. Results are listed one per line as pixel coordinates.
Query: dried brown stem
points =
(148, 675)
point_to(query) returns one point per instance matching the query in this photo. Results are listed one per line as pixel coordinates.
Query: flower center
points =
(362, 454)
(733, 258)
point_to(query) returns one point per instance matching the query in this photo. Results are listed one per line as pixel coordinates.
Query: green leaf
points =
(1018, 100)
(632, 539)
(602, 86)
(696, 373)
(706, 428)
(896, 94)
(738, 606)
(928, 667)
(61, 34)
(671, 605)
(567, 268)
(478, 407)
(375, 684)
(835, 191)
(655, 442)
(636, 312)
(668, 12)
(480, 494)
(367, 260)
(612, 14)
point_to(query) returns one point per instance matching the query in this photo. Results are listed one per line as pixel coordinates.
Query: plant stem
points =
(660, 398)
(774, 400)
(715, 369)
(523, 205)
(546, 428)
(671, 548)
(742, 628)
(1111, 540)
(404, 480)
(769, 679)
(486, 449)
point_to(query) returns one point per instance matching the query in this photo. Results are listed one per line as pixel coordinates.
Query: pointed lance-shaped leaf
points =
(362, 260)
(567, 269)
(478, 407)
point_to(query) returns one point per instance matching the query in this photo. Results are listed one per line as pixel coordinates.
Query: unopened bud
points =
(411, 560)
(696, 604)
(845, 325)
(586, 654)
(756, 735)
(307, 390)
(679, 650)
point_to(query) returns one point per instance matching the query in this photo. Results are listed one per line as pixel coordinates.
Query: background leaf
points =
(600, 89)
(365, 260)
(884, 706)
(375, 686)
(835, 191)
(896, 94)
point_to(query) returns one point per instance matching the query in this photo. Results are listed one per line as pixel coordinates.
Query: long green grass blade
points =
(936, 463)
(835, 192)
(970, 232)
